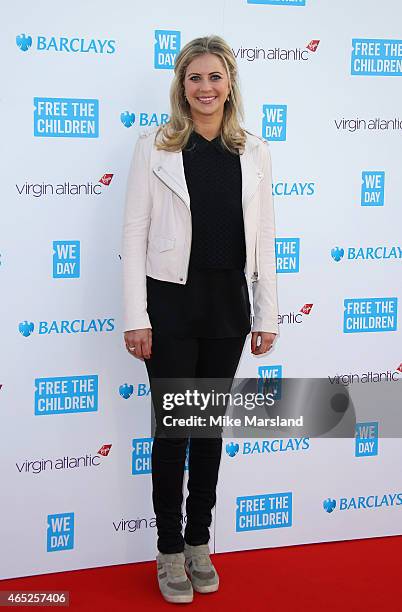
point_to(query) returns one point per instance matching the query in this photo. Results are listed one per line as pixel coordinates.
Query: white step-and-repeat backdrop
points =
(320, 82)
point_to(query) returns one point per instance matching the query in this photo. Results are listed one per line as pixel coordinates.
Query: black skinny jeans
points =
(187, 358)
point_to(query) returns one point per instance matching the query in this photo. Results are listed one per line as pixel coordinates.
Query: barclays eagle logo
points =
(23, 41)
(329, 505)
(127, 119)
(25, 328)
(232, 449)
(126, 390)
(337, 253)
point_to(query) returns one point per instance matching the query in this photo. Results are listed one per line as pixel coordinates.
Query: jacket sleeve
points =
(137, 217)
(265, 301)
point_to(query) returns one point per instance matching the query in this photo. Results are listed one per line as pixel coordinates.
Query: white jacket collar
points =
(168, 166)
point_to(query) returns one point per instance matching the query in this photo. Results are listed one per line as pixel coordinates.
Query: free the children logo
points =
(66, 394)
(141, 456)
(266, 511)
(287, 252)
(375, 314)
(66, 117)
(376, 57)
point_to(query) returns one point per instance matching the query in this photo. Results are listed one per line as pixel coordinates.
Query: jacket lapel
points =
(168, 167)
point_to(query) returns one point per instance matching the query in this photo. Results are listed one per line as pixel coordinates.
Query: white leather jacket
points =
(157, 228)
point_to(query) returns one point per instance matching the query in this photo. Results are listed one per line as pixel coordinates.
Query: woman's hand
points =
(139, 342)
(267, 339)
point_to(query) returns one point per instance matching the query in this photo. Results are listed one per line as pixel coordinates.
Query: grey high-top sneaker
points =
(203, 575)
(173, 581)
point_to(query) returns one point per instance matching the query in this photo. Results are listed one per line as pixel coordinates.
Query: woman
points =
(199, 234)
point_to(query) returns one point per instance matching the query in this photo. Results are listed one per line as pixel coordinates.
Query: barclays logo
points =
(260, 447)
(65, 44)
(337, 253)
(294, 189)
(329, 505)
(26, 328)
(24, 42)
(365, 253)
(75, 326)
(126, 390)
(232, 449)
(364, 502)
(143, 119)
(127, 119)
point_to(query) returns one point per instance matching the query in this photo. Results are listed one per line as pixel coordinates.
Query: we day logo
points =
(66, 259)
(274, 121)
(60, 531)
(167, 47)
(366, 439)
(373, 185)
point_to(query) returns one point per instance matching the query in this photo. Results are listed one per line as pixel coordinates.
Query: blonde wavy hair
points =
(174, 135)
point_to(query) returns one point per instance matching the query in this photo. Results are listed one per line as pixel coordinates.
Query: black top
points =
(214, 302)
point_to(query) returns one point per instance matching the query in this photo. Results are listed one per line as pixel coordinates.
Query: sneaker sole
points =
(210, 588)
(178, 598)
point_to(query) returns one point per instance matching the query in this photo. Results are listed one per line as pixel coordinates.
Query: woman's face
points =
(206, 86)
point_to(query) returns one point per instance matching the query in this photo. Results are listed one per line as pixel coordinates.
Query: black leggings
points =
(187, 358)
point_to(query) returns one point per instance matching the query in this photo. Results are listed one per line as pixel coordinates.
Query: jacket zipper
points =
(170, 187)
(187, 207)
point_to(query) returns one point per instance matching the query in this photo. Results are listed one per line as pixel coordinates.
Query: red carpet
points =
(352, 576)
